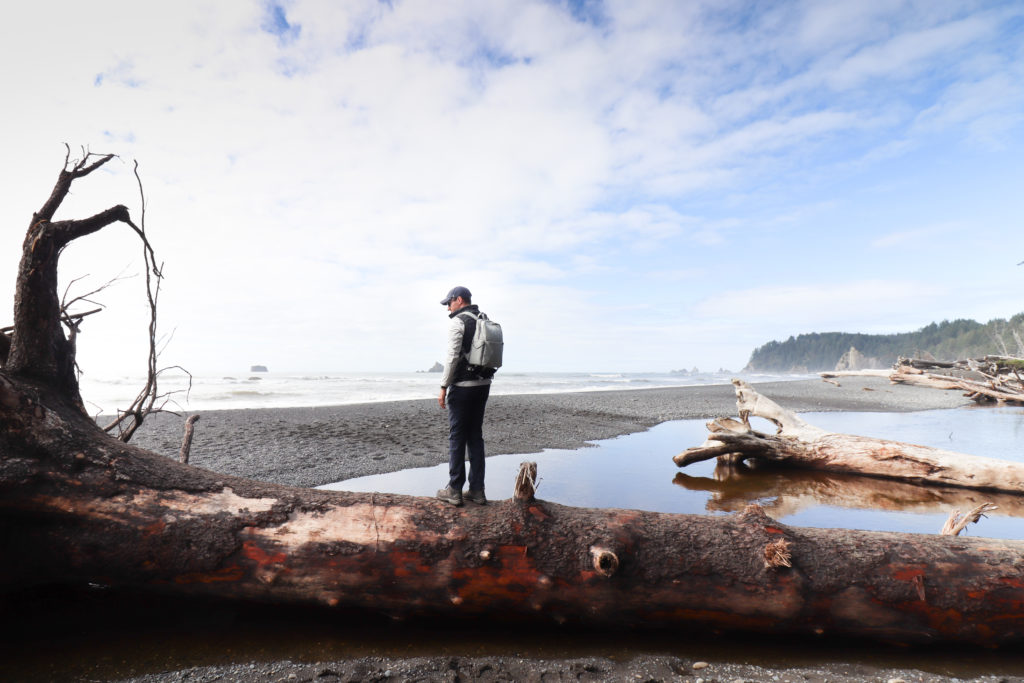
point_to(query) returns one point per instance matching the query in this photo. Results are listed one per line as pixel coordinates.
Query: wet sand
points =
(314, 446)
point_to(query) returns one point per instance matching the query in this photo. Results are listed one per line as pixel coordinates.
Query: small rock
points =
(697, 666)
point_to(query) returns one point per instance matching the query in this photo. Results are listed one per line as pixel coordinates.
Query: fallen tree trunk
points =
(800, 444)
(78, 506)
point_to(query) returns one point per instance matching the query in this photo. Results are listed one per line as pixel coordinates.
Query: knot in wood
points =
(777, 554)
(606, 563)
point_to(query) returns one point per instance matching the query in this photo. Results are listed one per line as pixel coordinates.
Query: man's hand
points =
(440, 399)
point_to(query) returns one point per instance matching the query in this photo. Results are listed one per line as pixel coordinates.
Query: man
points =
(464, 392)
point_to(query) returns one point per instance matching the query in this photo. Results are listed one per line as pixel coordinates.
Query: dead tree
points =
(39, 350)
(78, 506)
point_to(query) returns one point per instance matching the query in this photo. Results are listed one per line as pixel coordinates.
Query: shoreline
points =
(320, 445)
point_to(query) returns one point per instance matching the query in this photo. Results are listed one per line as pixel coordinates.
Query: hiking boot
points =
(450, 495)
(477, 497)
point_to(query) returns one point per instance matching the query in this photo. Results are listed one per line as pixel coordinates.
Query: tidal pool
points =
(636, 471)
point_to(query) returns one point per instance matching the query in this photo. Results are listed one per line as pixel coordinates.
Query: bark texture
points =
(79, 506)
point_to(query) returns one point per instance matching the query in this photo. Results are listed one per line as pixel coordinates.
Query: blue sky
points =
(626, 186)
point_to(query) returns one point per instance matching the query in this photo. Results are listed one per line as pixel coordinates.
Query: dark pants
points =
(466, 431)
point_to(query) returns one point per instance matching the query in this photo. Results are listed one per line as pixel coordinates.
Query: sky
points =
(626, 186)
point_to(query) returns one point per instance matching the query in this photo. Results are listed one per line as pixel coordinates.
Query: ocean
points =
(243, 390)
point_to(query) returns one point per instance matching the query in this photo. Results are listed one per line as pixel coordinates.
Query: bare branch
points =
(65, 304)
(957, 522)
(79, 169)
(129, 420)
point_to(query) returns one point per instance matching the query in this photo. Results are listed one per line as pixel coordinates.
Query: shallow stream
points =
(636, 472)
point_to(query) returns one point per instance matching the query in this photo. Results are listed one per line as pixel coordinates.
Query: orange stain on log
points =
(506, 575)
(155, 528)
(261, 556)
(907, 574)
(1011, 581)
(946, 621)
(406, 563)
(774, 530)
(538, 513)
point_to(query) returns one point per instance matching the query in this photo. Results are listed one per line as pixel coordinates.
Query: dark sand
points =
(313, 446)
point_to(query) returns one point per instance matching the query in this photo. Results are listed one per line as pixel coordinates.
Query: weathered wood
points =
(1001, 391)
(991, 378)
(81, 507)
(186, 440)
(958, 522)
(800, 444)
(854, 373)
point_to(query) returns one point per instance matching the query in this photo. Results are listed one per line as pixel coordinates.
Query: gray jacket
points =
(454, 352)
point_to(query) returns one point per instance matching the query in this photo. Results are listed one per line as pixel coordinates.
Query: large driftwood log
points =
(79, 506)
(800, 444)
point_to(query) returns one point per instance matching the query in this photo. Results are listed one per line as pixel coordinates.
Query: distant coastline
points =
(948, 340)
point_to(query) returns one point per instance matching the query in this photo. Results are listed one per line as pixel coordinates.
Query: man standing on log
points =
(464, 392)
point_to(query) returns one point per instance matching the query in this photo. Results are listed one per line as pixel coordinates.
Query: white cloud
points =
(919, 238)
(821, 307)
(377, 154)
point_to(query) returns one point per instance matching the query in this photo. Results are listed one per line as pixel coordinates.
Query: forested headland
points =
(948, 340)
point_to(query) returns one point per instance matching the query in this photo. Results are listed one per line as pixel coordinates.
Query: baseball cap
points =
(455, 293)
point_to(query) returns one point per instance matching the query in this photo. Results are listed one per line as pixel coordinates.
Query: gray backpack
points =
(487, 344)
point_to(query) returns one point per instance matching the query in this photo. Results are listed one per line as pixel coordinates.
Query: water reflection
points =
(784, 492)
(636, 471)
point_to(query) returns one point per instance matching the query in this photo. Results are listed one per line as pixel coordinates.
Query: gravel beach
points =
(314, 446)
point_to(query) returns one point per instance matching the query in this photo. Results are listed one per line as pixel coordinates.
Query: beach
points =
(320, 445)
(315, 446)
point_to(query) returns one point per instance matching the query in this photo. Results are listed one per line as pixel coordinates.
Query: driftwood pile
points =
(987, 379)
